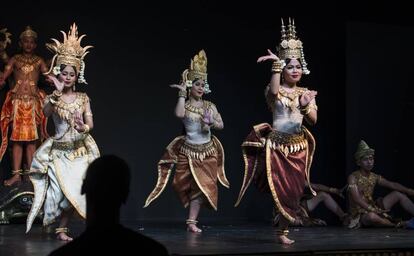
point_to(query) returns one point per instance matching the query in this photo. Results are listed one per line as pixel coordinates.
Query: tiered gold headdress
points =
(363, 150)
(4, 38)
(70, 52)
(290, 46)
(28, 32)
(197, 70)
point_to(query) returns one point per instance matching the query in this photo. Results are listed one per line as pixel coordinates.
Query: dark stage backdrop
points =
(140, 50)
(379, 91)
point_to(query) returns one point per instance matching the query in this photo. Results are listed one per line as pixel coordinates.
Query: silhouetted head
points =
(107, 181)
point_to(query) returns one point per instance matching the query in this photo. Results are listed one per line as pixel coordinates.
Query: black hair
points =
(63, 66)
(288, 60)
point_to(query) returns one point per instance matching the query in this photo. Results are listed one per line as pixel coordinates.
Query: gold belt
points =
(24, 97)
(68, 145)
(198, 151)
(287, 143)
(31, 82)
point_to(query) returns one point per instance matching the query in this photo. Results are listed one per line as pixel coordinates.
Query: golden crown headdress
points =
(290, 46)
(69, 52)
(28, 32)
(363, 150)
(197, 70)
(4, 38)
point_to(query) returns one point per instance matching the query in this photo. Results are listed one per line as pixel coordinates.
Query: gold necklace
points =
(27, 60)
(291, 95)
(290, 99)
(67, 110)
(197, 110)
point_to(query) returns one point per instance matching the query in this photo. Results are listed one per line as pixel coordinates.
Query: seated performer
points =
(309, 203)
(363, 209)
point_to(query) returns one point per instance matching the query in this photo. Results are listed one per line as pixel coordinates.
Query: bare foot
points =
(193, 228)
(320, 222)
(400, 224)
(64, 237)
(10, 182)
(285, 240)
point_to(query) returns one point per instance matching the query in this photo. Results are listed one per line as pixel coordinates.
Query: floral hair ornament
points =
(69, 52)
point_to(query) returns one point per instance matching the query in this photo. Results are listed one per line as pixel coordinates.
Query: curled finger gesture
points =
(269, 56)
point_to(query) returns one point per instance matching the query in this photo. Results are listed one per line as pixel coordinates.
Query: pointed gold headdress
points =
(290, 46)
(363, 150)
(69, 52)
(28, 32)
(197, 70)
(4, 38)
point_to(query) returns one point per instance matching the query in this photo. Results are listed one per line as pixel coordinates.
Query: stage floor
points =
(219, 239)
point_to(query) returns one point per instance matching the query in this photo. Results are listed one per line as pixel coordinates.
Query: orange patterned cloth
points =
(24, 114)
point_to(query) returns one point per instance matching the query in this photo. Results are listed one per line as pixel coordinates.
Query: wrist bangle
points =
(213, 124)
(53, 100)
(57, 93)
(305, 110)
(86, 127)
(182, 93)
(276, 67)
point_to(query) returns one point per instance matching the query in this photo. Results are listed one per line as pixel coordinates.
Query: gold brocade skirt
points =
(197, 170)
(278, 163)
